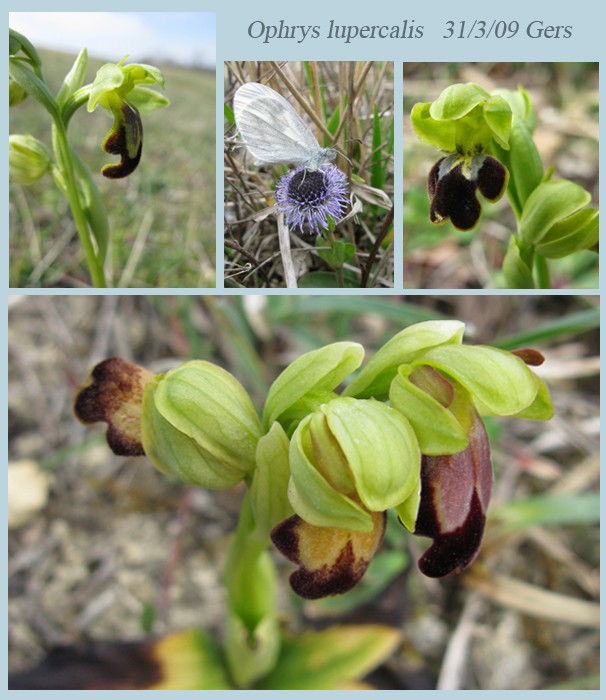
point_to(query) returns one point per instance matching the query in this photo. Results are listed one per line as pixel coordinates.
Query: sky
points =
(181, 37)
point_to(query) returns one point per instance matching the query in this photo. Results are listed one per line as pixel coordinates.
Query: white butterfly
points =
(272, 130)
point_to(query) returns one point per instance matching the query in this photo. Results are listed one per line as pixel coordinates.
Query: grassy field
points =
(162, 217)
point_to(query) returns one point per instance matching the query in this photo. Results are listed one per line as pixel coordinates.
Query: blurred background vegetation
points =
(114, 550)
(355, 102)
(565, 99)
(162, 217)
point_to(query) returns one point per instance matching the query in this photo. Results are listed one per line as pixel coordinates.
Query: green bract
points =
(269, 487)
(350, 457)
(199, 425)
(517, 264)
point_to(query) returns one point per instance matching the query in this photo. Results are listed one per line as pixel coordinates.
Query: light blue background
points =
(233, 18)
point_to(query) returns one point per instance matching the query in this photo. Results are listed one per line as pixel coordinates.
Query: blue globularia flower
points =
(311, 196)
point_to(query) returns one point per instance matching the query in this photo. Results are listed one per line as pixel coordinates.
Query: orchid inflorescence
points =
(121, 89)
(322, 467)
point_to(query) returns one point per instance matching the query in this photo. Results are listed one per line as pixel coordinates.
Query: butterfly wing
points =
(271, 129)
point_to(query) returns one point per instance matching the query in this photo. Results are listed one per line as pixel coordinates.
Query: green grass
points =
(162, 217)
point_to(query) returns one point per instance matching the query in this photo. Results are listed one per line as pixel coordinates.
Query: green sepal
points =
(541, 408)
(440, 134)
(498, 381)
(408, 510)
(314, 499)
(498, 116)
(314, 373)
(177, 455)
(147, 100)
(375, 378)
(456, 101)
(199, 425)
(208, 404)
(379, 447)
(107, 81)
(437, 430)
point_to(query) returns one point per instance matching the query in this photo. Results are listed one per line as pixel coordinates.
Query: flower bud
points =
(199, 424)
(28, 159)
(196, 422)
(16, 94)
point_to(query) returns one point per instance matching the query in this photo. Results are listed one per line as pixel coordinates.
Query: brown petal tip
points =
(331, 561)
(529, 356)
(113, 394)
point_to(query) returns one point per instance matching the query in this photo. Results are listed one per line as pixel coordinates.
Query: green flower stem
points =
(248, 596)
(337, 268)
(252, 636)
(65, 164)
(542, 270)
